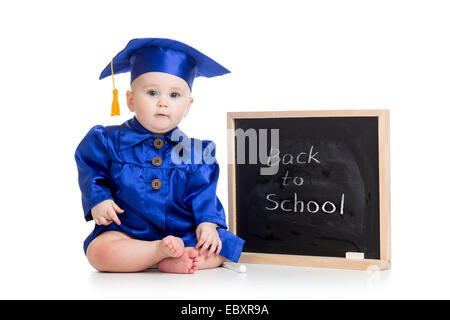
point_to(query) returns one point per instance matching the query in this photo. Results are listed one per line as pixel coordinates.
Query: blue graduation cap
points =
(160, 55)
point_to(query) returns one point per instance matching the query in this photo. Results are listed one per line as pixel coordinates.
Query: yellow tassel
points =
(115, 109)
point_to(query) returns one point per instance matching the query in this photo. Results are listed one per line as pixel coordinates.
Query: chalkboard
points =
(311, 187)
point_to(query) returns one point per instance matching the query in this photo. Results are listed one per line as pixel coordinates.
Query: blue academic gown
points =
(161, 190)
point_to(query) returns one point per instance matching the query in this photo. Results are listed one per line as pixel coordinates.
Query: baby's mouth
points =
(161, 115)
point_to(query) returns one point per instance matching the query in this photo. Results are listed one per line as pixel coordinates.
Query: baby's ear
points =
(191, 100)
(130, 100)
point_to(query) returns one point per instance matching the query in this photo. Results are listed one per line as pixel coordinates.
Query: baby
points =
(149, 188)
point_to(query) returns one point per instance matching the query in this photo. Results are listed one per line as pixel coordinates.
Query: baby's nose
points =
(162, 103)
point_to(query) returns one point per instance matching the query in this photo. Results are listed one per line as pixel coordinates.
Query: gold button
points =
(157, 161)
(158, 143)
(156, 184)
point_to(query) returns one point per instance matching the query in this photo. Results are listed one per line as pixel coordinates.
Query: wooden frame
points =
(384, 190)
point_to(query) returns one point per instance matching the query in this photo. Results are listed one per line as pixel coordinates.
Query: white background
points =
(284, 55)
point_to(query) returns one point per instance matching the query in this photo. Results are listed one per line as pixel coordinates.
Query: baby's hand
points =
(208, 237)
(104, 213)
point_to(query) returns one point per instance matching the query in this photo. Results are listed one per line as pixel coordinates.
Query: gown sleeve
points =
(93, 161)
(200, 192)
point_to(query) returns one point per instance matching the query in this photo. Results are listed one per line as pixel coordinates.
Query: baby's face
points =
(159, 100)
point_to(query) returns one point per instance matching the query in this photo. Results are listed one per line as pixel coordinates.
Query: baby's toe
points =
(167, 243)
(193, 254)
(174, 245)
(192, 269)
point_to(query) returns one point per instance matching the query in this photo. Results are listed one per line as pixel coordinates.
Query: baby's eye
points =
(174, 94)
(152, 92)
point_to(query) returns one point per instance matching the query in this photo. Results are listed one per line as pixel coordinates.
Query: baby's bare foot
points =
(172, 246)
(186, 263)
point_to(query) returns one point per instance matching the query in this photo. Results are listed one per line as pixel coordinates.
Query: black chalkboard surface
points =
(305, 187)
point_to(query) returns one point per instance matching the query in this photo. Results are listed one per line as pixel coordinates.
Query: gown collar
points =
(133, 133)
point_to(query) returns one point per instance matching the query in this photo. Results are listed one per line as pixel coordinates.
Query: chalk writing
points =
(296, 205)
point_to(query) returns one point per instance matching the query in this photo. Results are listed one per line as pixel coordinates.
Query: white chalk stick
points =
(354, 255)
(235, 267)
